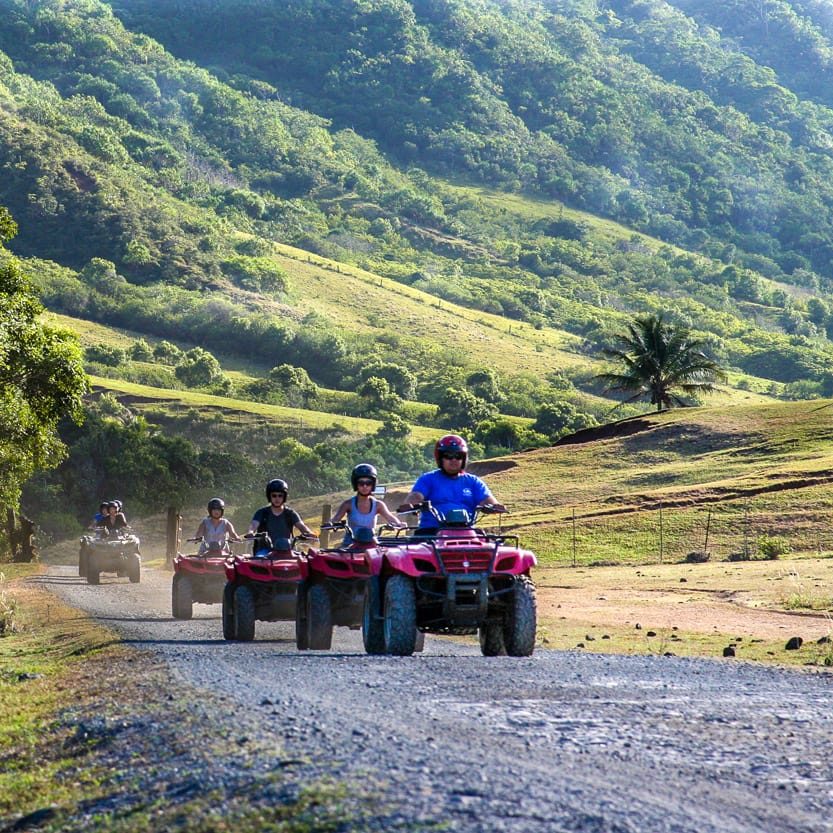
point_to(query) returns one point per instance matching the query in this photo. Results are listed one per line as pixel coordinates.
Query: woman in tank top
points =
(363, 509)
(215, 529)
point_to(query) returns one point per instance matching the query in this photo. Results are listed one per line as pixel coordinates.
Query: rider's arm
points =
(232, 532)
(412, 500)
(296, 521)
(491, 500)
(340, 512)
(200, 530)
(388, 515)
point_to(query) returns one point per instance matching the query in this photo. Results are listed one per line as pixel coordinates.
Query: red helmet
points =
(451, 442)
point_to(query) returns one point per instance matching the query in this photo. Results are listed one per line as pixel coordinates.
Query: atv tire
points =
(522, 619)
(228, 612)
(373, 624)
(319, 618)
(400, 624)
(244, 614)
(301, 621)
(182, 598)
(492, 643)
(83, 558)
(93, 571)
(134, 568)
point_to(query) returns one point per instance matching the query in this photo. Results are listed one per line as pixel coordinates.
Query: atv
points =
(116, 551)
(262, 585)
(334, 591)
(457, 580)
(198, 578)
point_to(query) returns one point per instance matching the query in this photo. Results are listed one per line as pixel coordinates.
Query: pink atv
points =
(335, 590)
(457, 579)
(262, 586)
(198, 578)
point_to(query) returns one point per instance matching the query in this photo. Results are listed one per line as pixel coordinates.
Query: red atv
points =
(263, 585)
(198, 578)
(335, 589)
(456, 580)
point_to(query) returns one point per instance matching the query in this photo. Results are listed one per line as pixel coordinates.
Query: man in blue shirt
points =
(449, 486)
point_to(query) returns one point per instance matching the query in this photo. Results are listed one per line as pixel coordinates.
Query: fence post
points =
(746, 530)
(708, 524)
(574, 536)
(326, 514)
(172, 534)
(660, 532)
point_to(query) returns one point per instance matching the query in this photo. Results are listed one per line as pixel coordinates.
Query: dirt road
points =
(562, 741)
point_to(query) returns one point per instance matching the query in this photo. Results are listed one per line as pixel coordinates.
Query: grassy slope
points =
(746, 471)
(276, 413)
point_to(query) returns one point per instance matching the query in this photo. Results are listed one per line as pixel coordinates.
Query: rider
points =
(98, 518)
(449, 486)
(214, 528)
(115, 519)
(363, 509)
(277, 519)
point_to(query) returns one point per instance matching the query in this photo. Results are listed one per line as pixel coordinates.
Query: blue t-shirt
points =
(466, 491)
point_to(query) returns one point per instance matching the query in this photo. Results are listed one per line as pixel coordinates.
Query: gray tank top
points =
(357, 519)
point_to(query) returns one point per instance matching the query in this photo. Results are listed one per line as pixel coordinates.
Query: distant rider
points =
(115, 519)
(98, 518)
(363, 509)
(215, 529)
(449, 486)
(277, 519)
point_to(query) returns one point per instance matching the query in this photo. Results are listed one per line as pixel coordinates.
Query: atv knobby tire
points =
(521, 619)
(492, 643)
(182, 597)
(319, 618)
(244, 614)
(83, 558)
(228, 612)
(93, 570)
(373, 625)
(301, 627)
(400, 623)
(134, 568)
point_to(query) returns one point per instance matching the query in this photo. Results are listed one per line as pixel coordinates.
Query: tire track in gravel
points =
(560, 741)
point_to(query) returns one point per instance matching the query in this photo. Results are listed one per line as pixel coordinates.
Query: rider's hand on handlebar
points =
(492, 508)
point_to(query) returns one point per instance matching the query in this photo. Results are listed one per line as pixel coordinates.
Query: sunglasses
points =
(453, 456)
(278, 494)
(364, 482)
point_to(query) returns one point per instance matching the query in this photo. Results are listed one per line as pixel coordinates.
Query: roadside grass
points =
(95, 736)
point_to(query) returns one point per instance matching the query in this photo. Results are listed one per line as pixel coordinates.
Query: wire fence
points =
(735, 531)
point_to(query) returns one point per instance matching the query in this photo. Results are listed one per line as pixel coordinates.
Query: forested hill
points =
(666, 116)
(156, 153)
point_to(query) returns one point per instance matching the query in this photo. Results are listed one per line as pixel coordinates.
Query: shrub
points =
(771, 547)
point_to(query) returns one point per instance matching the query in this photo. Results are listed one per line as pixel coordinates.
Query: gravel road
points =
(562, 741)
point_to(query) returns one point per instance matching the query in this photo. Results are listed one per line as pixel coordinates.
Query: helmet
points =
(117, 504)
(451, 442)
(277, 485)
(361, 471)
(113, 503)
(216, 503)
(104, 504)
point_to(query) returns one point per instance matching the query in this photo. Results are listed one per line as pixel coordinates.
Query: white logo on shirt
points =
(467, 492)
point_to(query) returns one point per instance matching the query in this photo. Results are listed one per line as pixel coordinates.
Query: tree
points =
(200, 369)
(42, 380)
(555, 419)
(657, 358)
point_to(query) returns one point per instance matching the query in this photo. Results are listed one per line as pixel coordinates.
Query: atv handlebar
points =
(426, 506)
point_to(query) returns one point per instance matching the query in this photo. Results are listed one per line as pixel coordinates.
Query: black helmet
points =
(104, 503)
(117, 504)
(277, 485)
(216, 503)
(361, 471)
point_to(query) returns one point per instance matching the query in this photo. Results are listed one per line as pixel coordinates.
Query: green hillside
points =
(362, 224)
(748, 471)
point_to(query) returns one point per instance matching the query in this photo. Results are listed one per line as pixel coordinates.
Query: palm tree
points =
(658, 358)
